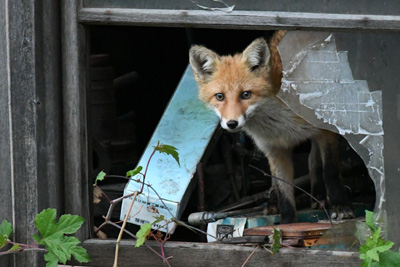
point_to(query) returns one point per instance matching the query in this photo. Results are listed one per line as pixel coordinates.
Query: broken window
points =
(334, 81)
(318, 84)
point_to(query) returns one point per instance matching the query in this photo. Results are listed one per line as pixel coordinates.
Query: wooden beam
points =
(203, 254)
(30, 119)
(254, 20)
(74, 54)
(6, 162)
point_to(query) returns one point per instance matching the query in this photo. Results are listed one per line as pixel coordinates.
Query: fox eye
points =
(220, 96)
(245, 95)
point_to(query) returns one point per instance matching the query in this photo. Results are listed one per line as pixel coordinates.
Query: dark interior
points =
(134, 71)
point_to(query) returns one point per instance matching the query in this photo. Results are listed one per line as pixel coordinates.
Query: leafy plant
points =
(145, 230)
(376, 251)
(58, 246)
(134, 172)
(53, 235)
(100, 177)
(276, 240)
(5, 232)
(169, 150)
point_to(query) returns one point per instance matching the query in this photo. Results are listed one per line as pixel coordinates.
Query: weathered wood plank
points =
(74, 103)
(23, 121)
(23, 110)
(201, 255)
(389, 7)
(6, 173)
(389, 58)
(49, 105)
(255, 20)
(29, 115)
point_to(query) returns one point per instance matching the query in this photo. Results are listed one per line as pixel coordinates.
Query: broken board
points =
(188, 125)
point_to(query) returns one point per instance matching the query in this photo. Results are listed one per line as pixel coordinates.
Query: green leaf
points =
(169, 150)
(14, 247)
(276, 240)
(62, 248)
(367, 246)
(3, 241)
(45, 222)
(59, 247)
(134, 172)
(158, 219)
(5, 232)
(69, 224)
(143, 232)
(374, 252)
(80, 254)
(52, 260)
(376, 235)
(369, 220)
(37, 238)
(5, 228)
(100, 177)
(372, 255)
(390, 258)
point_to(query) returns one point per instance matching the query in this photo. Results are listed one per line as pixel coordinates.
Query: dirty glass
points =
(370, 7)
(336, 81)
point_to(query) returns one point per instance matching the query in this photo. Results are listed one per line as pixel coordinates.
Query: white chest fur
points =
(272, 124)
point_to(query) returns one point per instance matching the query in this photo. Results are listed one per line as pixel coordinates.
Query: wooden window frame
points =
(75, 21)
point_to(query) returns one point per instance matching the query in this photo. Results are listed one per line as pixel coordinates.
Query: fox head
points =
(233, 85)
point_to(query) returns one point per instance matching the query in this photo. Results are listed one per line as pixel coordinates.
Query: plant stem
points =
(135, 237)
(251, 254)
(135, 194)
(129, 212)
(145, 171)
(22, 247)
(122, 229)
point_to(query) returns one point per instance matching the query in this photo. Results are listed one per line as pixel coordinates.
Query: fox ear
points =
(203, 62)
(257, 54)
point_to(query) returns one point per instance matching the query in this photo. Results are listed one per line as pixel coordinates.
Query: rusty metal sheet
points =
(303, 230)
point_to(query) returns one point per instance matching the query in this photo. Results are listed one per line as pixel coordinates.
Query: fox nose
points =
(232, 124)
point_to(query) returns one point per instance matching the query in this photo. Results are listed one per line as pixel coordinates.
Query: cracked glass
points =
(318, 85)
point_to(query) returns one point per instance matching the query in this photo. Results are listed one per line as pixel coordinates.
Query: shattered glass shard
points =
(318, 85)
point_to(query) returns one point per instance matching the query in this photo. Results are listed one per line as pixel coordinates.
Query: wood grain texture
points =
(31, 136)
(23, 122)
(254, 20)
(202, 254)
(48, 102)
(76, 186)
(6, 172)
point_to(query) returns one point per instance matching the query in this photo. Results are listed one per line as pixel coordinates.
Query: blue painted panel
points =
(186, 124)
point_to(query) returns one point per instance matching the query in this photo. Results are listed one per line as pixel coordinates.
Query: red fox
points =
(242, 90)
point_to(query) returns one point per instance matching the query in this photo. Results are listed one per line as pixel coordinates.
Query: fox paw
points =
(271, 209)
(339, 212)
(272, 206)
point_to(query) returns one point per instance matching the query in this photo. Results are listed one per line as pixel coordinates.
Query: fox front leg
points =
(315, 168)
(281, 165)
(339, 204)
